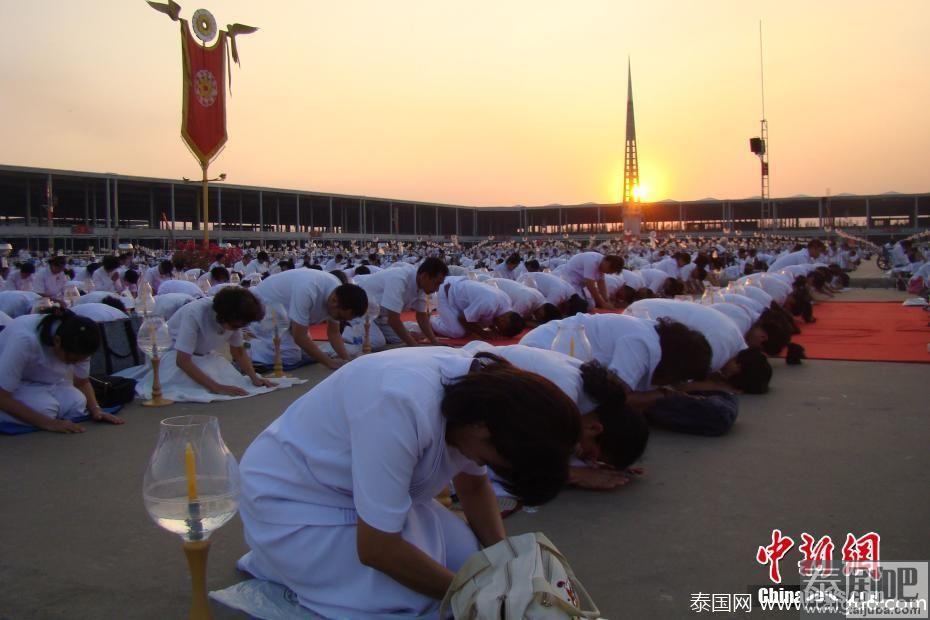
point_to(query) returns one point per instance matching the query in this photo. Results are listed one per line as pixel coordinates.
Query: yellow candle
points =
(571, 347)
(191, 467)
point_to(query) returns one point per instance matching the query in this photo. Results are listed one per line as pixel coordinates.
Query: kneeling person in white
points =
(191, 370)
(337, 494)
(467, 306)
(310, 296)
(401, 288)
(44, 364)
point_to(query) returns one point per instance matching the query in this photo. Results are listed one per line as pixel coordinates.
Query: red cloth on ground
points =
(867, 332)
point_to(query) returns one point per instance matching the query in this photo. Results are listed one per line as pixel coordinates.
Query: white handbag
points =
(521, 577)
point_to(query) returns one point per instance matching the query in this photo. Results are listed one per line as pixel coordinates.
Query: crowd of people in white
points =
(337, 494)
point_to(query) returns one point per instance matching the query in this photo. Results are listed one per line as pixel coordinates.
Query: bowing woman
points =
(44, 364)
(192, 370)
(337, 494)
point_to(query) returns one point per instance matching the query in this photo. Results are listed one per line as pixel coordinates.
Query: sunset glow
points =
(487, 103)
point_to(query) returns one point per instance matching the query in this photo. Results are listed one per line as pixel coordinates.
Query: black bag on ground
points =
(113, 391)
(118, 349)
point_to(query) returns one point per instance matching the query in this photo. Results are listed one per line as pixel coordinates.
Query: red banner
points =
(203, 125)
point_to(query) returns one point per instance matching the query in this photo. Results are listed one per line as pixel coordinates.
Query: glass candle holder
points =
(572, 340)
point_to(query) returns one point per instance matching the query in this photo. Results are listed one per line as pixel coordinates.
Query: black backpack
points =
(118, 348)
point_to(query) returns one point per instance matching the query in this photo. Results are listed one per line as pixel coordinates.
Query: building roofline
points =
(512, 208)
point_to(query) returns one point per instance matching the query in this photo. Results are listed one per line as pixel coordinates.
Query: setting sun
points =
(641, 192)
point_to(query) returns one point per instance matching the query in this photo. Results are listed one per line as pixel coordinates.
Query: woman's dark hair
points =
(131, 276)
(754, 374)
(234, 304)
(110, 262)
(683, 256)
(534, 426)
(340, 275)
(795, 354)
(79, 335)
(166, 268)
(433, 267)
(316, 266)
(616, 262)
(800, 304)
(817, 279)
(777, 332)
(352, 297)
(531, 265)
(836, 271)
(672, 287)
(27, 267)
(219, 274)
(576, 304)
(262, 256)
(113, 302)
(686, 354)
(550, 313)
(515, 324)
(91, 268)
(514, 259)
(625, 431)
(362, 270)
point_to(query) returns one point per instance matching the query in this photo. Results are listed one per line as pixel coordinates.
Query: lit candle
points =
(191, 467)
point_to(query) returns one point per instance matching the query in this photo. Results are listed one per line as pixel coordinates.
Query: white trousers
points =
(261, 347)
(320, 563)
(60, 401)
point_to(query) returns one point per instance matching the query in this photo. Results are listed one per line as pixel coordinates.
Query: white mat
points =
(179, 387)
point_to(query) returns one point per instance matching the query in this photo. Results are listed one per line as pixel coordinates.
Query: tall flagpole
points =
(206, 205)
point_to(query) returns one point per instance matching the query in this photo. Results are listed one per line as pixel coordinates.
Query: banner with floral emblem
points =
(203, 125)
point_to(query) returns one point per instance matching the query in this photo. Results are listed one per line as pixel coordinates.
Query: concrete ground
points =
(836, 447)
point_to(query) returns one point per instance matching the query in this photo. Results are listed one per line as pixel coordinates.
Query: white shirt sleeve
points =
(185, 340)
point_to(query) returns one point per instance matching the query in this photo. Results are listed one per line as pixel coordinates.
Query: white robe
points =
(524, 299)
(180, 286)
(303, 294)
(369, 443)
(104, 281)
(32, 373)
(554, 289)
(735, 313)
(17, 303)
(194, 331)
(724, 337)
(581, 267)
(49, 284)
(478, 302)
(627, 345)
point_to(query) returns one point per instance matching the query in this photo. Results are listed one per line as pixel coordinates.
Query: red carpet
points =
(855, 331)
(866, 332)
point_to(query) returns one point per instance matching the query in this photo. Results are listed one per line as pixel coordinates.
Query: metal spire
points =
(630, 160)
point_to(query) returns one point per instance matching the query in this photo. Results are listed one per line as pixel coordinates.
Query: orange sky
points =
(486, 103)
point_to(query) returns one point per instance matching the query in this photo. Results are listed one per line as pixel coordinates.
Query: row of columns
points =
(112, 217)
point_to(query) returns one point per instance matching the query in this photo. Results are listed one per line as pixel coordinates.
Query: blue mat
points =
(12, 428)
(266, 368)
